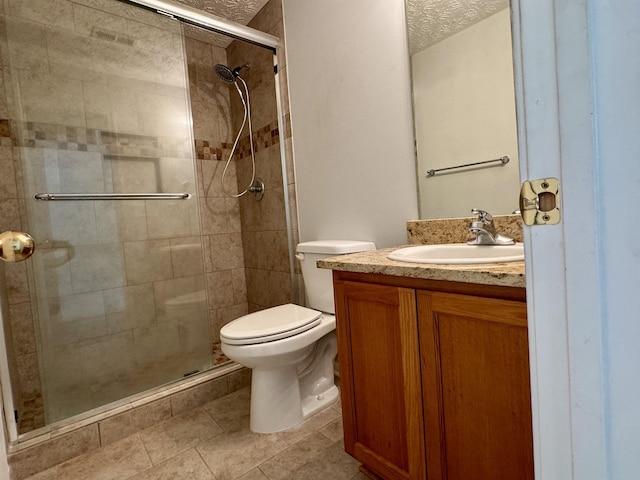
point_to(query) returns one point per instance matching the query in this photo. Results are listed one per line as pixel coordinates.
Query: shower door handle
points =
(16, 246)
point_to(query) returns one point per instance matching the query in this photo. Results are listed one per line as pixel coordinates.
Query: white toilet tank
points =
(319, 282)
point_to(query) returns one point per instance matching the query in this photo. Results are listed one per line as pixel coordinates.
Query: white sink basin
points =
(459, 253)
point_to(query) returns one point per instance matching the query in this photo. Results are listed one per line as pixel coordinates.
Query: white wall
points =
(351, 119)
(465, 112)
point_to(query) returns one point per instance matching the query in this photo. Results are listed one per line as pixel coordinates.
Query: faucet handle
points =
(483, 216)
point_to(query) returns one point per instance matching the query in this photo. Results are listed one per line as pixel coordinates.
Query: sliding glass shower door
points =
(99, 105)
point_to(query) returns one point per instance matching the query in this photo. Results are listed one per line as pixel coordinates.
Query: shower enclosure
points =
(114, 130)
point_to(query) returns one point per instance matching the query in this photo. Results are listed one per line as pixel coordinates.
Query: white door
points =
(578, 94)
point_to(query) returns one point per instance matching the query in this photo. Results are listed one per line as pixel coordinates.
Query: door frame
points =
(553, 45)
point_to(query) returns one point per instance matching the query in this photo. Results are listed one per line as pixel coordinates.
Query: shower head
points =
(226, 74)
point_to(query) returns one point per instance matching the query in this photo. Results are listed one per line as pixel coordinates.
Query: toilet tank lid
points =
(335, 247)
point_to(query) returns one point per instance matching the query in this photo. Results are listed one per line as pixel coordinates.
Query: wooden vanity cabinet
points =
(476, 394)
(380, 379)
(434, 377)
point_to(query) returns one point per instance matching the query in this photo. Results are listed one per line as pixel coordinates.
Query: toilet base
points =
(278, 406)
(314, 404)
(281, 398)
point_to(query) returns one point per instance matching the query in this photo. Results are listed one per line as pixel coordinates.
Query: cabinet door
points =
(474, 354)
(380, 379)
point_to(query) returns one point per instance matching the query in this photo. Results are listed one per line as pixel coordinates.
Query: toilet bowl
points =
(291, 348)
(292, 376)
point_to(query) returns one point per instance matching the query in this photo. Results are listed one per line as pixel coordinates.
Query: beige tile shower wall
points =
(119, 121)
(220, 214)
(264, 226)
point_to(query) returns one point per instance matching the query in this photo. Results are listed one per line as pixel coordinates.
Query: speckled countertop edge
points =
(509, 274)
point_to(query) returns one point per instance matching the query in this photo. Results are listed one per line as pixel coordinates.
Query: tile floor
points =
(213, 442)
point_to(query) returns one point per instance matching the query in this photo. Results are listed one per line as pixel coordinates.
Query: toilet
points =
(291, 348)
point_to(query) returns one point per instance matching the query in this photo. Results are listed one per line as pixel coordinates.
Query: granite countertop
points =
(509, 274)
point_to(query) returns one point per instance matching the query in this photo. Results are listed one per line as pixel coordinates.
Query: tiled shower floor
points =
(213, 442)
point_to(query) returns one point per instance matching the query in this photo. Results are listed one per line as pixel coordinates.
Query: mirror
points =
(463, 106)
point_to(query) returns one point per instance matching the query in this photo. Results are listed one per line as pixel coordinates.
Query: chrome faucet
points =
(485, 231)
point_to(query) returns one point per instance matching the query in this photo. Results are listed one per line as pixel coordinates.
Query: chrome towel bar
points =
(503, 161)
(111, 196)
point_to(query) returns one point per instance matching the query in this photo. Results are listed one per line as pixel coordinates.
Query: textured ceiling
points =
(429, 20)
(433, 20)
(238, 11)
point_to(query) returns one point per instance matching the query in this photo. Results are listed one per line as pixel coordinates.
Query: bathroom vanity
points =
(434, 368)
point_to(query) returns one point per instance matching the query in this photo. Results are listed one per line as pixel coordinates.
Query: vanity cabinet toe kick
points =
(434, 378)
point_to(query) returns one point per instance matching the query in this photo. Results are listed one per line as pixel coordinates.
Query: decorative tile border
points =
(59, 137)
(80, 139)
(6, 129)
(263, 138)
(64, 137)
(210, 150)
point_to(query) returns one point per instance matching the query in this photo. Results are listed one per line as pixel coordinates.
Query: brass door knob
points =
(16, 246)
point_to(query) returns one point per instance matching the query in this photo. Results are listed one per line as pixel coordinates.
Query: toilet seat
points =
(271, 324)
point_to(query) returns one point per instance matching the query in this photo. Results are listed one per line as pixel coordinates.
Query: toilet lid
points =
(270, 324)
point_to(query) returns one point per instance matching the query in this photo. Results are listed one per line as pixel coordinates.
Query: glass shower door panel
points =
(100, 105)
